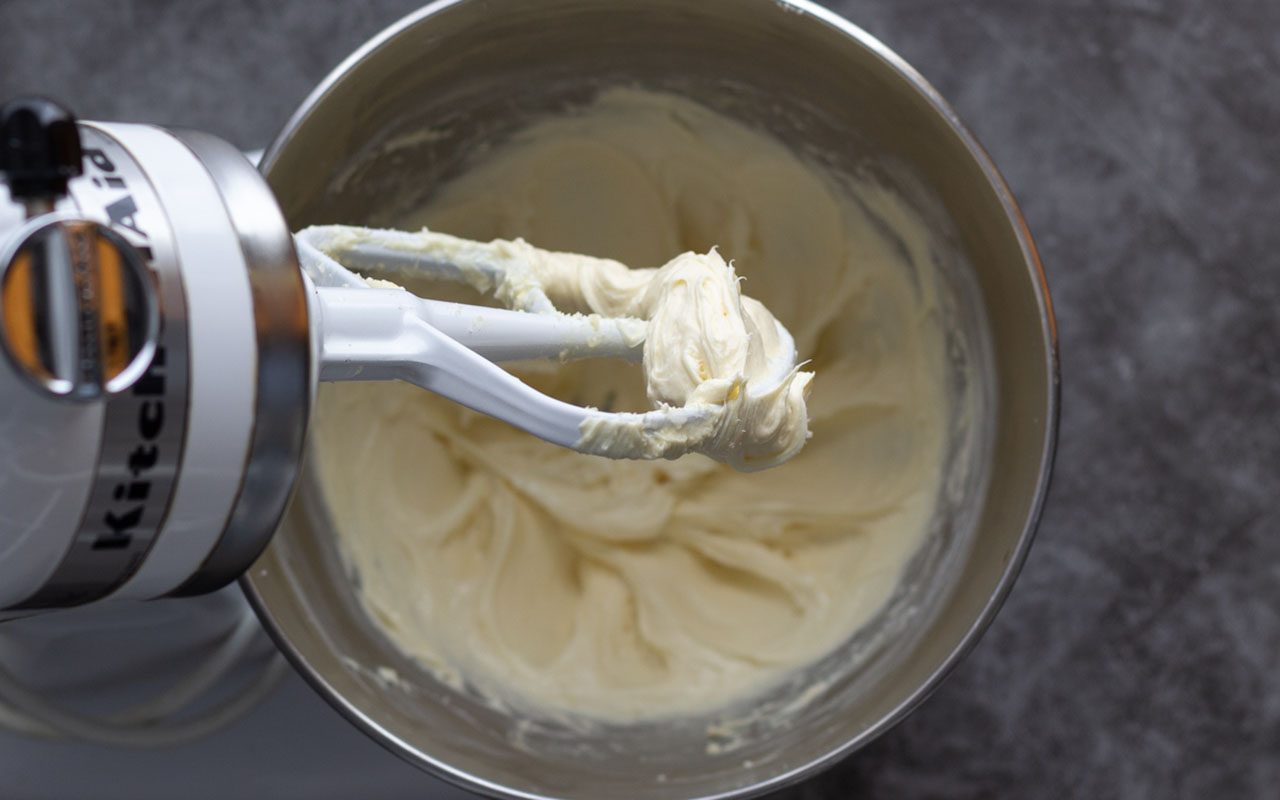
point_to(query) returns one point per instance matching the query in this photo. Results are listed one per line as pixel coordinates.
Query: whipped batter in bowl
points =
(558, 583)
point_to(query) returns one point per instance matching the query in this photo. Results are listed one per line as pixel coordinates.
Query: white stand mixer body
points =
(174, 485)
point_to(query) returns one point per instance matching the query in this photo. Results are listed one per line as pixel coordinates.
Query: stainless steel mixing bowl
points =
(472, 72)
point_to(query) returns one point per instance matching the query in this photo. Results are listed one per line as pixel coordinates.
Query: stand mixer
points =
(156, 369)
(162, 335)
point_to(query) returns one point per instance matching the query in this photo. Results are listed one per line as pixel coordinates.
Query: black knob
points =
(39, 148)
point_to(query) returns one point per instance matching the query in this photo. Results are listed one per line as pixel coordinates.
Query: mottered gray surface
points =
(1139, 654)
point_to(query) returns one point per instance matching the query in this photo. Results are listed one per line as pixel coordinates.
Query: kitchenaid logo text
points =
(127, 506)
(131, 496)
(122, 211)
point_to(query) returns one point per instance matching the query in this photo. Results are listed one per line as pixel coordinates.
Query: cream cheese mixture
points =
(708, 350)
(622, 590)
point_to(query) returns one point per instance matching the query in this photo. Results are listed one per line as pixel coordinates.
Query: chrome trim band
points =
(282, 328)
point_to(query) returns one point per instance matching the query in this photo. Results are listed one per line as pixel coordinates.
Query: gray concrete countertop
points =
(1139, 654)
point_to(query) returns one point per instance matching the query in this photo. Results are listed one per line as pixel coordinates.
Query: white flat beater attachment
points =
(369, 333)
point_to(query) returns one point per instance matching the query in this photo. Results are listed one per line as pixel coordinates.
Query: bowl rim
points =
(1013, 564)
